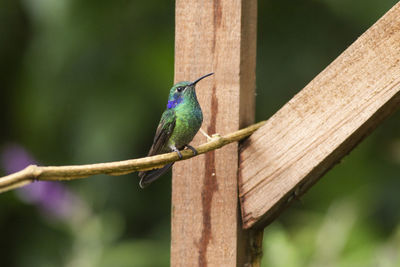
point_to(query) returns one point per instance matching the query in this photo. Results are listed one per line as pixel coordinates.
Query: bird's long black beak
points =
(201, 78)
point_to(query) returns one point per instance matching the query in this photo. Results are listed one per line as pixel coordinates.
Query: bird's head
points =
(182, 90)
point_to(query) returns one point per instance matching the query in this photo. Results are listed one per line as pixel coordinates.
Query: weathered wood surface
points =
(213, 36)
(322, 123)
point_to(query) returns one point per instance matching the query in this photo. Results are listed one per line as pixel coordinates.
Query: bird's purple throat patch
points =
(174, 103)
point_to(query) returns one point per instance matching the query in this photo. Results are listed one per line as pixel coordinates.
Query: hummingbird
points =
(178, 125)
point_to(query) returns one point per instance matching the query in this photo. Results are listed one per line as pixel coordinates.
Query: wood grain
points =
(322, 123)
(213, 36)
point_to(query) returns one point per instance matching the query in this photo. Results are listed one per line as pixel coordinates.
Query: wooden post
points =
(322, 123)
(214, 36)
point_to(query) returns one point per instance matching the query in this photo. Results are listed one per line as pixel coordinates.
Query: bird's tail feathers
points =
(147, 177)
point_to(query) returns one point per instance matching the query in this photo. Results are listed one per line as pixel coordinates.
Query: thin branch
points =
(60, 173)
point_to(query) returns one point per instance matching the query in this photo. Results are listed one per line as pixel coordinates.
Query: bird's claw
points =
(177, 151)
(193, 149)
(179, 154)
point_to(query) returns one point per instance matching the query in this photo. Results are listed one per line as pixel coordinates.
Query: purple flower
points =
(14, 158)
(53, 199)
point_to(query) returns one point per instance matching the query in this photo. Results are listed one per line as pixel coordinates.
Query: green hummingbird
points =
(178, 125)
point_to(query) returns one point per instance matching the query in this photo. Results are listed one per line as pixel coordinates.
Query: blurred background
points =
(86, 81)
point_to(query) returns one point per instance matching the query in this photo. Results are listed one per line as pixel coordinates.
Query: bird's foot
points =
(177, 151)
(193, 149)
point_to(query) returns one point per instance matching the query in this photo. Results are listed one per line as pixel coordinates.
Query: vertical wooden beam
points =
(213, 36)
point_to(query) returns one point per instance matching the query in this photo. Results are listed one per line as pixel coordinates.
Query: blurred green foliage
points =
(86, 81)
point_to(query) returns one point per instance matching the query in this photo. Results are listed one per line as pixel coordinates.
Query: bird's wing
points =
(164, 131)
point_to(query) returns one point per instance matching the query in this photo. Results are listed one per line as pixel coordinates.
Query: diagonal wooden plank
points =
(322, 123)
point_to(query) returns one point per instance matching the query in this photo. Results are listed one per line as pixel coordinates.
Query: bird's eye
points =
(180, 88)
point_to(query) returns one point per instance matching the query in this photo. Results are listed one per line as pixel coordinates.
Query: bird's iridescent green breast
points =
(189, 118)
